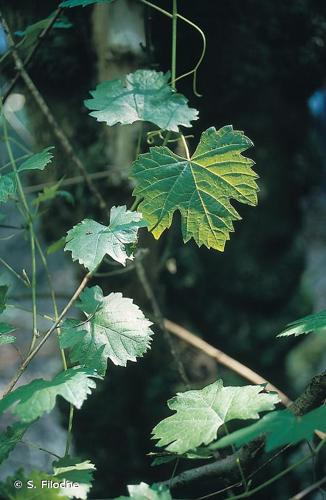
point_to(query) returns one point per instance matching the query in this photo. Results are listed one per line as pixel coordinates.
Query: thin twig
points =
(309, 489)
(223, 358)
(159, 319)
(12, 270)
(261, 486)
(202, 34)
(70, 181)
(29, 358)
(32, 445)
(57, 131)
(30, 56)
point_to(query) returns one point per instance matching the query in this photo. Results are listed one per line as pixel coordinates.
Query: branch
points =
(312, 397)
(223, 358)
(57, 131)
(226, 467)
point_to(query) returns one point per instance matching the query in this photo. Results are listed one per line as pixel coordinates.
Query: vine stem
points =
(34, 284)
(22, 146)
(32, 445)
(69, 431)
(200, 60)
(174, 43)
(12, 270)
(29, 358)
(29, 220)
(202, 34)
(261, 486)
(53, 296)
(25, 309)
(184, 142)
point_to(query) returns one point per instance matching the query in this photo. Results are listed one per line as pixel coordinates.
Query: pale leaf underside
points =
(90, 241)
(143, 491)
(141, 96)
(115, 328)
(30, 401)
(200, 413)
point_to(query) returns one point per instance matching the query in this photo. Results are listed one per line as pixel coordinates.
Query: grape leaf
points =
(143, 491)
(200, 413)
(77, 471)
(8, 187)
(38, 161)
(5, 329)
(281, 428)
(305, 325)
(115, 328)
(39, 396)
(10, 437)
(39, 491)
(144, 95)
(90, 300)
(90, 241)
(81, 3)
(200, 187)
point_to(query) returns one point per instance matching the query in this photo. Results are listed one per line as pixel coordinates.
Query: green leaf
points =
(41, 489)
(163, 459)
(201, 453)
(200, 188)
(81, 3)
(48, 193)
(90, 241)
(32, 32)
(38, 161)
(77, 471)
(10, 438)
(3, 297)
(143, 491)
(51, 192)
(144, 95)
(5, 329)
(115, 328)
(281, 428)
(39, 396)
(200, 413)
(8, 187)
(56, 245)
(90, 300)
(305, 325)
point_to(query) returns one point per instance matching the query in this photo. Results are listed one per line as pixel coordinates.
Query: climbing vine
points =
(207, 187)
